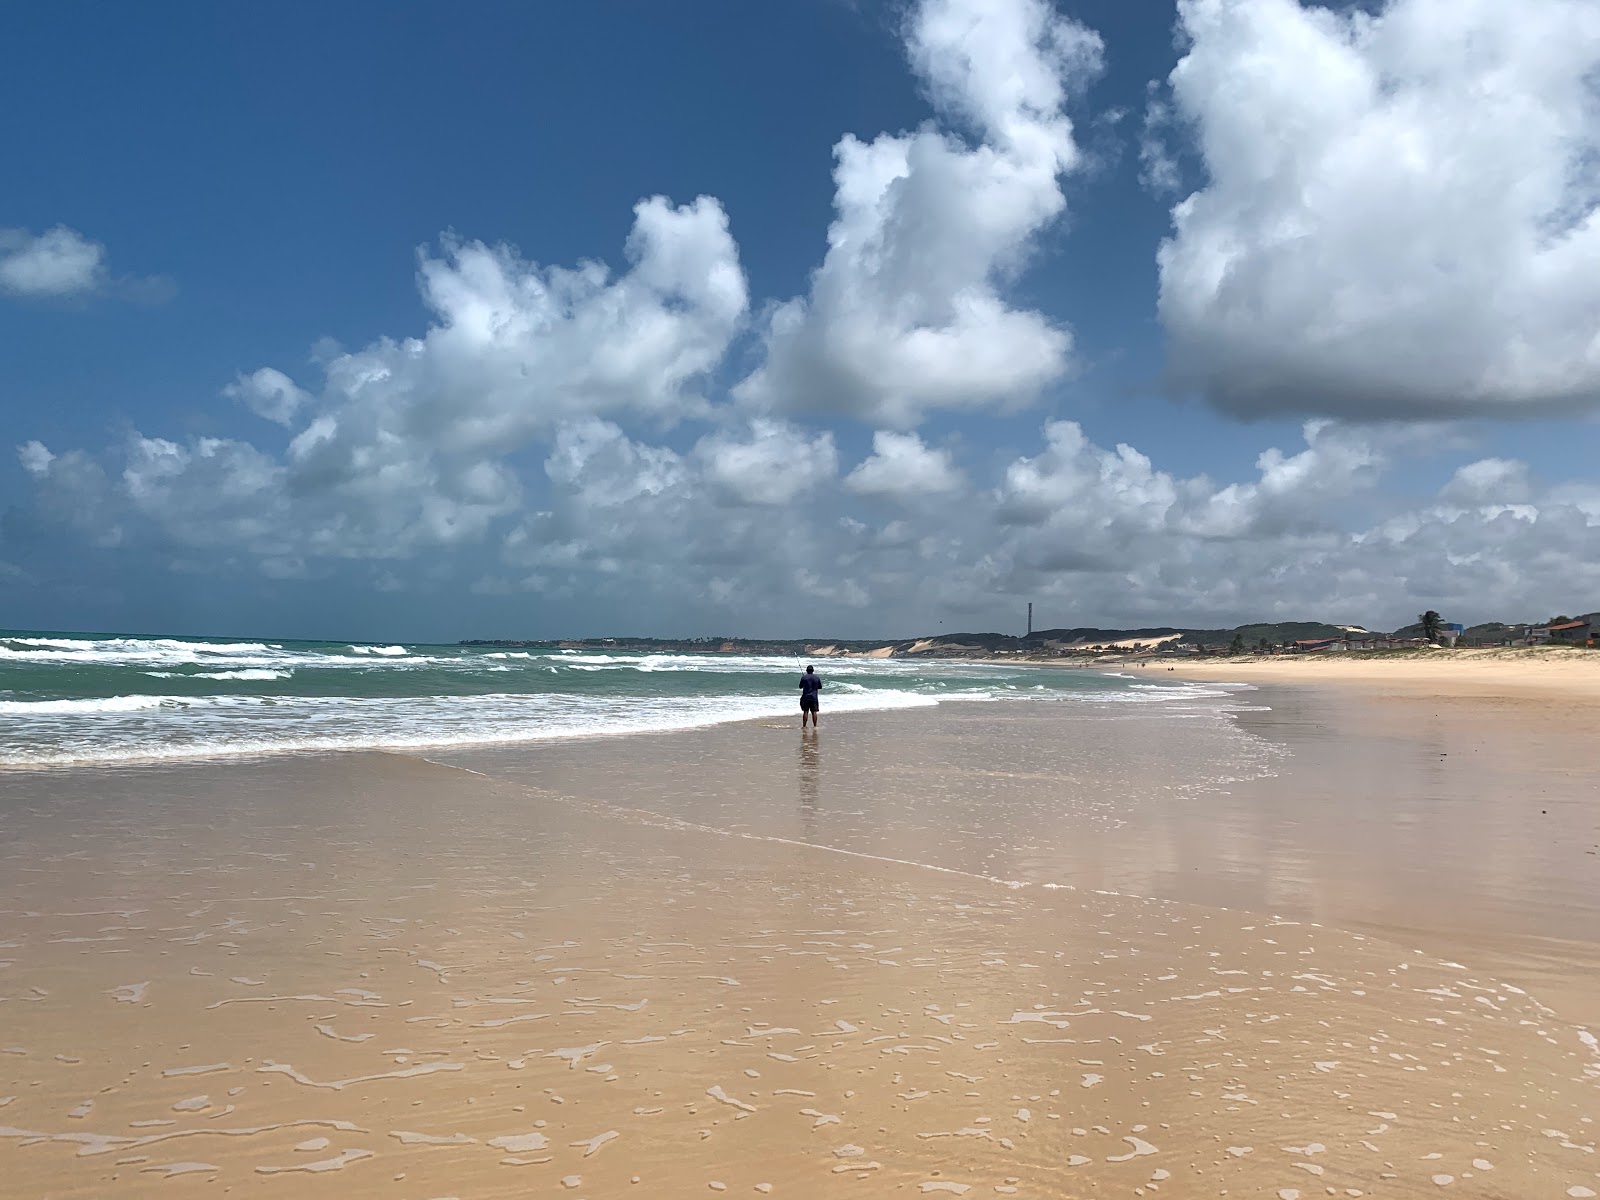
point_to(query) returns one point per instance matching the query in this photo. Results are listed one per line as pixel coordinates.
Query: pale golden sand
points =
(1564, 676)
(365, 975)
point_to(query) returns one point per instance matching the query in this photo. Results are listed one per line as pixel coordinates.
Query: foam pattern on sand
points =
(337, 952)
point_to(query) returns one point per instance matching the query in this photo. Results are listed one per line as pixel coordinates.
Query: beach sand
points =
(371, 975)
(1567, 678)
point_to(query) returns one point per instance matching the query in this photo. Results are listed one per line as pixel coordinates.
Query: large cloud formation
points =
(1401, 216)
(752, 519)
(1090, 532)
(905, 314)
(556, 433)
(405, 444)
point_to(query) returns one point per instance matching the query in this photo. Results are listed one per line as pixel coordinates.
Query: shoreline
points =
(855, 704)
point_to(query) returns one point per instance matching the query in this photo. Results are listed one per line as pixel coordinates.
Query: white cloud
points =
(1351, 252)
(1092, 534)
(1159, 171)
(628, 520)
(906, 313)
(226, 495)
(35, 458)
(517, 348)
(1095, 535)
(59, 262)
(1298, 492)
(420, 426)
(1488, 481)
(901, 467)
(405, 444)
(1402, 217)
(269, 394)
(776, 464)
(74, 493)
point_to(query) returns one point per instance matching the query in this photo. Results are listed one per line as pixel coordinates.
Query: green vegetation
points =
(1279, 634)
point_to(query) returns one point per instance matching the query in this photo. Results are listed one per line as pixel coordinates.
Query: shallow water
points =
(71, 698)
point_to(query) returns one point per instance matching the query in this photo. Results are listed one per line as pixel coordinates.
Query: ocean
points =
(72, 698)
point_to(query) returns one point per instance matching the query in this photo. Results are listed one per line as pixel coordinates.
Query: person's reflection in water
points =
(810, 768)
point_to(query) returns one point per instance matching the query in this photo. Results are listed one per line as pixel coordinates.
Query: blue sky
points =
(1360, 235)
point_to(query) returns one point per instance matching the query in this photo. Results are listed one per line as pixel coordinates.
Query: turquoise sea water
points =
(86, 698)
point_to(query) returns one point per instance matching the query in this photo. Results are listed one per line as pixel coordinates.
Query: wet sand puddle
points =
(366, 975)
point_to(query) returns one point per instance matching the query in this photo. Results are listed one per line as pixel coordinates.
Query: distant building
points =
(1573, 633)
(1373, 641)
(1320, 645)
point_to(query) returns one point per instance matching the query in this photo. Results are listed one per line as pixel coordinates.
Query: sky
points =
(420, 322)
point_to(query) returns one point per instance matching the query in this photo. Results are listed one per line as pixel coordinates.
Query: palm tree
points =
(1430, 625)
(1237, 645)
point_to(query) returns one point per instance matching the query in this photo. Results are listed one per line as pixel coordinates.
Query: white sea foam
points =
(728, 664)
(101, 704)
(206, 727)
(173, 653)
(394, 697)
(255, 673)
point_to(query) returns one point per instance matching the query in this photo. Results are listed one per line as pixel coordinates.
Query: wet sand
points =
(1460, 825)
(368, 975)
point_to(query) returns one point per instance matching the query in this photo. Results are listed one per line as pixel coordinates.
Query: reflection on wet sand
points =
(366, 975)
(810, 784)
(1462, 827)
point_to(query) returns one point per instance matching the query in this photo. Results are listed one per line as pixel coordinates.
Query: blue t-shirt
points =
(810, 685)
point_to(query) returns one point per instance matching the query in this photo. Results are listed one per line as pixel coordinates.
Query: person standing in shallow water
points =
(810, 685)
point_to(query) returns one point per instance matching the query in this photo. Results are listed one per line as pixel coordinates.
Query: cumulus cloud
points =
(1107, 532)
(901, 467)
(1079, 518)
(58, 262)
(269, 394)
(408, 437)
(626, 519)
(61, 264)
(517, 348)
(906, 313)
(1159, 170)
(1402, 217)
(404, 445)
(35, 458)
(776, 464)
(1093, 534)
(225, 495)
(1398, 212)
(1488, 481)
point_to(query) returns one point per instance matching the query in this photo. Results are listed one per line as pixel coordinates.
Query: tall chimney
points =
(1030, 618)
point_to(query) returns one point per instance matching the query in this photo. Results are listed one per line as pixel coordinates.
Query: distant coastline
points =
(1084, 645)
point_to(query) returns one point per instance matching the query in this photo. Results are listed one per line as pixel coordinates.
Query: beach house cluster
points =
(1572, 633)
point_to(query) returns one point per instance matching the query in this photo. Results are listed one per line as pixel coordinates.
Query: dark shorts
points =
(809, 703)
